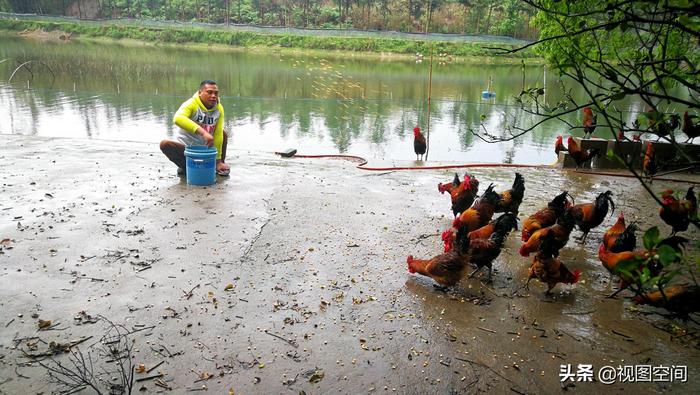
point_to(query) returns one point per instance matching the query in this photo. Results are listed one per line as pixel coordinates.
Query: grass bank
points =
(368, 46)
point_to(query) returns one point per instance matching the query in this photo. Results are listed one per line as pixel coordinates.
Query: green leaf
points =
(667, 255)
(651, 237)
(629, 267)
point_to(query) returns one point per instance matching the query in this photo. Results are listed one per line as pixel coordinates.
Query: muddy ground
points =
(290, 276)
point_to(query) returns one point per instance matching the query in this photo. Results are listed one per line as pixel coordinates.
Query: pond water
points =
(273, 100)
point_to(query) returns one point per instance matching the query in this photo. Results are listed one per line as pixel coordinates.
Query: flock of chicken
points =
(476, 238)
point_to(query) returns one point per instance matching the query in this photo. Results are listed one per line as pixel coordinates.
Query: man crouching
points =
(201, 122)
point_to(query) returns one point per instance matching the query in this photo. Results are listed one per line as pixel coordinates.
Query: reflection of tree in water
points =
(467, 118)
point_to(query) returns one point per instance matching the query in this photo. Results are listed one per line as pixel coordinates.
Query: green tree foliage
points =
(477, 16)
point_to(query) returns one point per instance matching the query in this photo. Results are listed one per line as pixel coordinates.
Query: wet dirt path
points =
(290, 276)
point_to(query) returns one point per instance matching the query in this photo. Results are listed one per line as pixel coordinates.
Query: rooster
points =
(620, 237)
(689, 128)
(559, 145)
(507, 220)
(484, 251)
(448, 187)
(590, 215)
(419, 144)
(557, 234)
(678, 213)
(446, 269)
(550, 270)
(681, 299)
(590, 122)
(547, 216)
(511, 199)
(662, 125)
(580, 157)
(649, 164)
(463, 196)
(610, 261)
(479, 214)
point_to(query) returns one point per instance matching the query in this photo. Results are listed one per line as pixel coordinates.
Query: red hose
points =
(362, 162)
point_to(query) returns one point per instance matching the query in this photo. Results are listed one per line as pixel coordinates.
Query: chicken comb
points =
(577, 275)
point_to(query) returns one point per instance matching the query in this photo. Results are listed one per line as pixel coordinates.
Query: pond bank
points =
(291, 275)
(371, 47)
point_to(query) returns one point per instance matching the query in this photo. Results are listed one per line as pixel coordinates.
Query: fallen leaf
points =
(228, 287)
(141, 368)
(205, 376)
(44, 324)
(317, 376)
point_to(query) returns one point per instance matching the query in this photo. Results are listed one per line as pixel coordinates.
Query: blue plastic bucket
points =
(201, 165)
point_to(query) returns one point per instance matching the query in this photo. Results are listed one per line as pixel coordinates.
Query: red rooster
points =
(620, 237)
(678, 212)
(463, 196)
(511, 199)
(559, 145)
(557, 233)
(590, 215)
(681, 299)
(448, 187)
(547, 216)
(580, 157)
(610, 261)
(419, 144)
(508, 220)
(589, 122)
(480, 214)
(649, 163)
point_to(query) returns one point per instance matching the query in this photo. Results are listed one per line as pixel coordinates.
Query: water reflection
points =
(272, 101)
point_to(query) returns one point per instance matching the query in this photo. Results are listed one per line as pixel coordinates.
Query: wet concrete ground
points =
(291, 276)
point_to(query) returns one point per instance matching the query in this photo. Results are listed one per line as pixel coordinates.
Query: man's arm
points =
(182, 119)
(219, 133)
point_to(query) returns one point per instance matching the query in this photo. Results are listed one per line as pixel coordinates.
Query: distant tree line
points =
(493, 17)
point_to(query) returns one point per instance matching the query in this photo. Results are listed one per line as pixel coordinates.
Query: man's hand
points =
(208, 138)
(222, 167)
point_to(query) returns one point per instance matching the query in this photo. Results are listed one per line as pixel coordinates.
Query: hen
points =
(550, 270)
(463, 196)
(448, 187)
(681, 299)
(589, 122)
(419, 144)
(678, 213)
(580, 157)
(621, 237)
(557, 234)
(446, 269)
(547, 216)
(590, 215)
(479, 214)
(511, 199)
(689, 128)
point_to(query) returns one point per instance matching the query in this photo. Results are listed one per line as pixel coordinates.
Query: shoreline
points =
(467, 53)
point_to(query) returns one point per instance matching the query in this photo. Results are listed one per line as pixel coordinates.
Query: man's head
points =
(209, 93)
